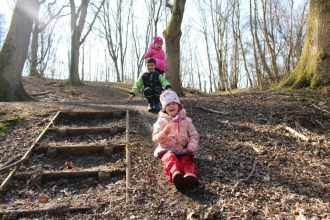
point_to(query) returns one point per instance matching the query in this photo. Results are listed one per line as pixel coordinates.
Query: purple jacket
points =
(158, 55)
(182, 136)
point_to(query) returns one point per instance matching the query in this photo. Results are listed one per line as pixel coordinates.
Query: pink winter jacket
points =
(158, 55)
(182, 136)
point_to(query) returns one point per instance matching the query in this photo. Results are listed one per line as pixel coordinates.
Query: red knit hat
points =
(157, 39)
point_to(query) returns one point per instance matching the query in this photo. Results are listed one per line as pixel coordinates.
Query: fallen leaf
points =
(43, 199)
(69, 164)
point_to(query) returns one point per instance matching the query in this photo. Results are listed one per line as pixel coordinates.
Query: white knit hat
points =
(169, 96)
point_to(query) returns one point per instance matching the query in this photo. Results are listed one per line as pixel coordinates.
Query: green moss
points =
(326, 116)
(303, 98)
(3, 128)
(3, 112)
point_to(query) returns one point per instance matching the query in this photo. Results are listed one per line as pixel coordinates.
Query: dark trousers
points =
(152, 94)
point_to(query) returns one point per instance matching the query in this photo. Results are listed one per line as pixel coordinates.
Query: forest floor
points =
(251, 165)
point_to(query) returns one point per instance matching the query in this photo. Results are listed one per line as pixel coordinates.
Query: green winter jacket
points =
(152, 79)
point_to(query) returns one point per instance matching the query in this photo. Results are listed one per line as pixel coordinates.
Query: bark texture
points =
(172, 36)
(313, 68)
(14, 52)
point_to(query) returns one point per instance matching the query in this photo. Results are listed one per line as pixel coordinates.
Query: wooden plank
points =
(91, 130)
(78, 149)
(52, 210)
(69, 174)
(92, 115)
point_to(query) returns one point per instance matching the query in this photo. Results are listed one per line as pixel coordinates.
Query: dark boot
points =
(158, 107)
(190, 180)
(178, 180)
(150, 107)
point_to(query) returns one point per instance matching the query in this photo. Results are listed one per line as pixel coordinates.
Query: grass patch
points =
(3, 112)
(3, 128)
(6, 123)
(303, 98)
(72, 91)
(121, 88)
(11, 119)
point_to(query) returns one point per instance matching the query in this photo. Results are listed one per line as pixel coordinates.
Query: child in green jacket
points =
(153, 83)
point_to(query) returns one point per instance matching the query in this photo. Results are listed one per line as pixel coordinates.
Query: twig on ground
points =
(11, 160)
(50, 83)
(320, 109)
(210, 110)
(23, 160)
(247, 179)
(40, 93)
(320, 124)
(91, 137)
(259, 151)
(292, 131)
(4, 156)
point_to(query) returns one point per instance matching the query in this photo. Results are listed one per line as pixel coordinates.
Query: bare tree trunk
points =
(239, 38)
(172, 36)
(270, 46)
(37, 29)
(77, 24)
(259, 49)
(34, 44)
(253, 34)
(14, 52)
(313, 68)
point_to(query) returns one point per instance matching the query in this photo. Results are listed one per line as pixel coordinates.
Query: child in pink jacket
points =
(177, 140)
(155, 51)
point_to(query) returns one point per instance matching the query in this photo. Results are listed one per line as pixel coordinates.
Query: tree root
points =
(247, 179)
(211, 111)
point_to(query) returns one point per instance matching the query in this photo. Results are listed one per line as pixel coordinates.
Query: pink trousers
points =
(181, 163)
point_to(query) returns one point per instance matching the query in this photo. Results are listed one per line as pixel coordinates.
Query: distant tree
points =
(172, 35)
(115, 21)
(78, 19)
(313, 68)
(39, 26)
(14, 51)
(2, 27)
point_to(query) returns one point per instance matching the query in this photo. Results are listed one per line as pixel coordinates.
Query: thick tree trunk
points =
(172, 36)
(313, 68)
(14, 52)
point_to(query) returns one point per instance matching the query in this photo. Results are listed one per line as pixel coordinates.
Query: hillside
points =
(262, 155)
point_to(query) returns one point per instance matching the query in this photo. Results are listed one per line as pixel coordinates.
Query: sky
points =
(92, 51)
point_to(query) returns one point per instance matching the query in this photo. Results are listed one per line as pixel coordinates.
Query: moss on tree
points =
(313, 67)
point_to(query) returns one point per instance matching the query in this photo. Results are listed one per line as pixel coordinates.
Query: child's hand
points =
(131, 96)
(191, 149)
(167, 129)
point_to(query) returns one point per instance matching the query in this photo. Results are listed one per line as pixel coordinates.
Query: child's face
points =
(159, 45)
(172, 109)
(150, 67)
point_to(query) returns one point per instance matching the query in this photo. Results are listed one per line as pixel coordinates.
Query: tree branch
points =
(91, 25)
(167, 4)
